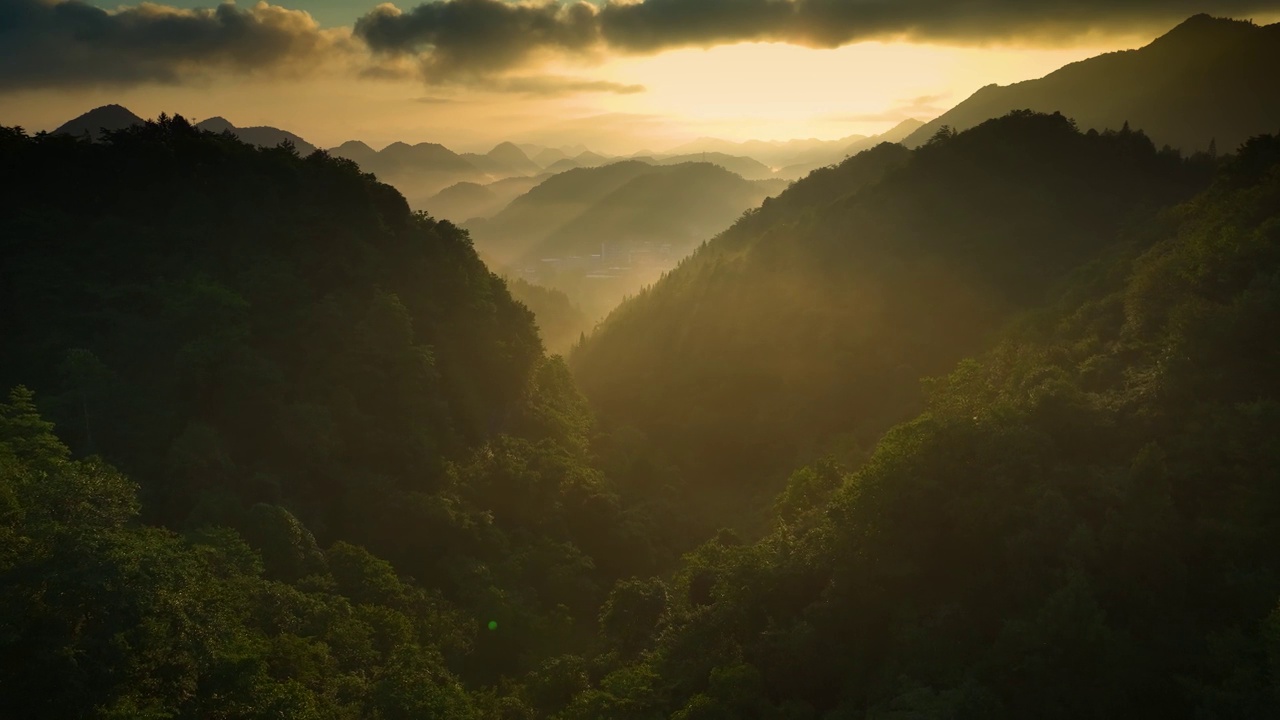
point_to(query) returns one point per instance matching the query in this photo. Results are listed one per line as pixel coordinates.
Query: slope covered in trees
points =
(1209, 79)
(301, 377)
(1081, 524)
(806, 326)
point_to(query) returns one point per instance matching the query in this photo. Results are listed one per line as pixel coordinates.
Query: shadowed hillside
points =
(1080, 524)
(1206, 80)
(342, 451)
(806, 326)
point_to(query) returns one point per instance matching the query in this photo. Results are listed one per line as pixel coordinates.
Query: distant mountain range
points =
(600, 234)
(1207, 79)
(461, 186)
(794, 158)
(261, 135)
(467, 200)
(621, 204)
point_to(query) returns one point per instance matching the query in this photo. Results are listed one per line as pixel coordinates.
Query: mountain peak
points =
(217, 124)
(507, 149)
(1207, 28)
(92, 123)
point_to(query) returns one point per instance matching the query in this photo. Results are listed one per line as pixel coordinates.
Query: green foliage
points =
(1081, 524)
(809, 323)
(283, 358)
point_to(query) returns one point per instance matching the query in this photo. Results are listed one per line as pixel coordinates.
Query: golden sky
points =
(612, 92)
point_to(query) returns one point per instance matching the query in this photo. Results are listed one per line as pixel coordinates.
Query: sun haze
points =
(469, 74)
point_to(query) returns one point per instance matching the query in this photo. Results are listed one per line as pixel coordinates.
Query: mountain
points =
(807, 325)
(399, 157)
(563, 165)
(895, 134)
(1207, 79)
(600, 234)
(505, 160)
(560, 322)
(520, 228)
(92, 123)
(679, 205)
(827, 155)
(549, 156)
(588, 159)
(356, 151)
(418, 171)
(777, 153)
(272, 442)
(467, 200)
(514, 160)
(746, 167)
(1081, 524)
(462, 202)
(262, 136)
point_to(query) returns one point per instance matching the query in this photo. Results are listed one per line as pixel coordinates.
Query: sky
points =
(616, 75)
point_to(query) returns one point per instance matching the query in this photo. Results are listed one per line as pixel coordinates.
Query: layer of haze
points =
(738, 92)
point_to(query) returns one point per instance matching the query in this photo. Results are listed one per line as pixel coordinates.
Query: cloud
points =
(472, 38)
(555, 85)
(54, 43)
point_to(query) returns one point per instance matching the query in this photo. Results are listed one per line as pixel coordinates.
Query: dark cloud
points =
(47, 43)
(554, 85)
(477, 37)
(461, 38)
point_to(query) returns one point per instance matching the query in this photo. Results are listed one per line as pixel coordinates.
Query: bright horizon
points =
(612, 101)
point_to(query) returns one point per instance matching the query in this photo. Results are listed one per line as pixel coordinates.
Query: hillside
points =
(1206, 80)
(602, 234)
(805, 327)
(745, 167)
(339, 450)
(418, 171)
(467, 200)
(530, 218)
(560, 322)
(677, 205)
(1080, 524)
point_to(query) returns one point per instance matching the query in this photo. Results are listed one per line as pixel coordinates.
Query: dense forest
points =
(803, 329)
(273, 445)
(285, 396)
(1081, 522)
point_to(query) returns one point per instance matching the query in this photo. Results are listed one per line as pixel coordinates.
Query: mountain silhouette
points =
(505, 160)
(530, 218)
(261, 135)
(1207, 79)
(834, 153)
(512, 158)
(679, 204)
(92, 123)
(470, 200)
(418, 171)
(549, 156)
(747, 167)
(356, 151)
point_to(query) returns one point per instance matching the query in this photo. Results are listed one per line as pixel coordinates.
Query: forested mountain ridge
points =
(1081, 523)
(292, 367)
(1208, 80)
(807, 325)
